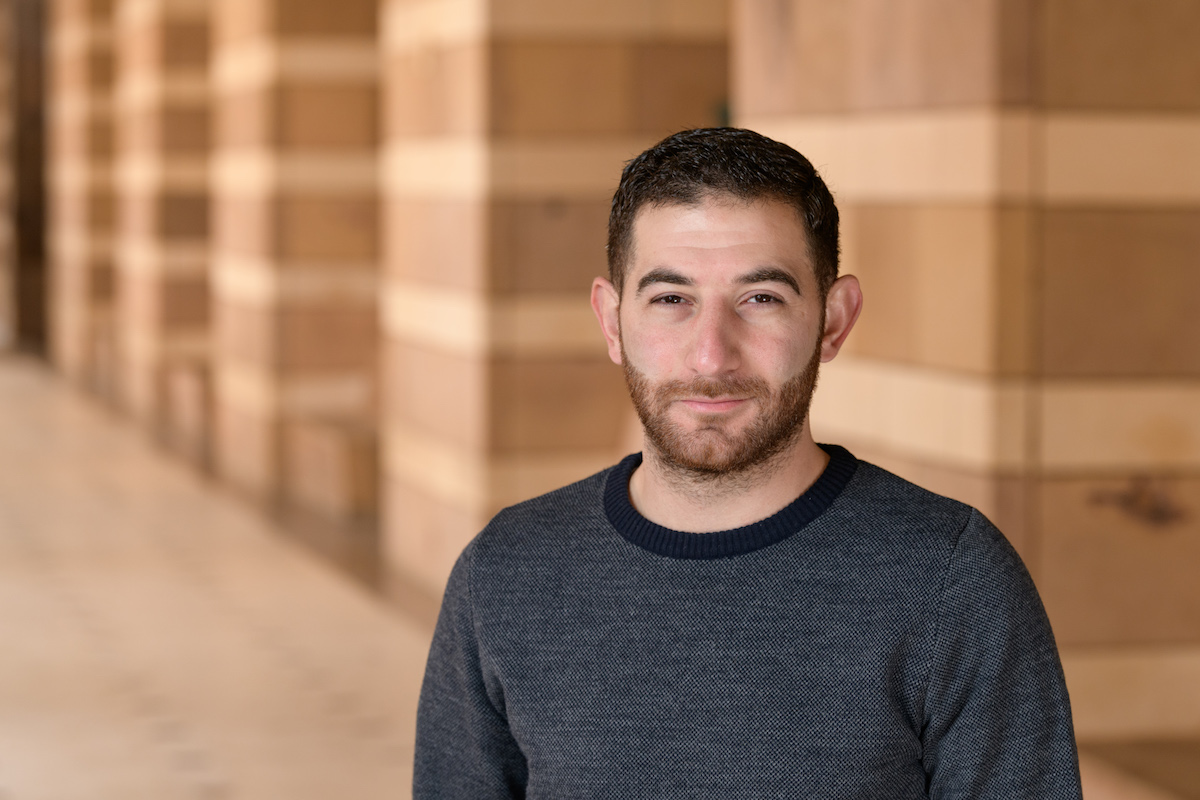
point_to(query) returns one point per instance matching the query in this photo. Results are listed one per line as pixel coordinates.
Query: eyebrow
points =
(762, 275)
(663, 275)
(770, 274)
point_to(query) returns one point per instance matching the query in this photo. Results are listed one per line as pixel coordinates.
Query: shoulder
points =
(511, 574)
(885, 508)
(939, 535)
(542, 529)
(975, 593)
(883, 496)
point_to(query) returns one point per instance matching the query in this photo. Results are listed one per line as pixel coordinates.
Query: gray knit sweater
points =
(871, 640)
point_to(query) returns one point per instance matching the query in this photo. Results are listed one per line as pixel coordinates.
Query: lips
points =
(713, 405)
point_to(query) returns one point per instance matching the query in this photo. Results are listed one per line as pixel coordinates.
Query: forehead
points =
(719, 230)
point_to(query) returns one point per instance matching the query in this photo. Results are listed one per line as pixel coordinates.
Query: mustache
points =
(712, 388)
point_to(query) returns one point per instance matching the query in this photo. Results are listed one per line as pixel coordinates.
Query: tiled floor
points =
(161, 640)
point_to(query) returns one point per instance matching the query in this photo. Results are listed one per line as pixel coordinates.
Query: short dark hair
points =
(689, 166)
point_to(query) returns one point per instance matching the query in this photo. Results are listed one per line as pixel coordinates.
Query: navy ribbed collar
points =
(724, 544)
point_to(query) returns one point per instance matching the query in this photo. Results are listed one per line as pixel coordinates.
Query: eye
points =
(763, 298)
(668, 300)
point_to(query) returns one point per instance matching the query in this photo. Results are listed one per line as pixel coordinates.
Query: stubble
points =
(716, 453)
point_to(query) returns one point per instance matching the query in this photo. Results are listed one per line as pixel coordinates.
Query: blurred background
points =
(293, 298)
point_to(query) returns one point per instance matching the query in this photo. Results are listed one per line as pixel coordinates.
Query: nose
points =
(714, 348)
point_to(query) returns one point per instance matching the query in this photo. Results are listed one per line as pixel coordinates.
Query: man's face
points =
(720, 327)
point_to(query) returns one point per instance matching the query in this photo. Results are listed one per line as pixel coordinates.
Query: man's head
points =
(723, 301)
(691, 165)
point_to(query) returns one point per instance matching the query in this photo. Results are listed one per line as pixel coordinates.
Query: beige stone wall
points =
(161, 250)
(80, 188)
(1020, 183)
(294, 242)
(507, 123)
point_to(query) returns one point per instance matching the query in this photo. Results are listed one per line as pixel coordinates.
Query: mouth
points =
(714, 405)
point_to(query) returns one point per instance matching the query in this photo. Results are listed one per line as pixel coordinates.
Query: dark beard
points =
(711, 453)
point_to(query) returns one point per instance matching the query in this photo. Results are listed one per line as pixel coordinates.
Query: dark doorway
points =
(28, 163)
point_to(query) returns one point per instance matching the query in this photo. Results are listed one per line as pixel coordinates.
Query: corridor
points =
(339, 252)
(161, 639)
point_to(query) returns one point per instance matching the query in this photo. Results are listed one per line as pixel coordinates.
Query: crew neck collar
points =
(724, 544)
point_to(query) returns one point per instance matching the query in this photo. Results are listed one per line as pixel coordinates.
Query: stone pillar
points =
(1020, 182)
(161, 255)
(507, 124)
(80, 101)
(294, 246)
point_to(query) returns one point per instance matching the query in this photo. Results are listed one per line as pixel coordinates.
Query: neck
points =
(696, 503)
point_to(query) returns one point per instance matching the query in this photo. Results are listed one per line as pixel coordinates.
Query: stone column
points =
(1020, 182)
(80, 101)
(294, 248)
(507, 124)
(162, 213)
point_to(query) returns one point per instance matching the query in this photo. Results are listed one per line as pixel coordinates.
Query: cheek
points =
(782, 357)
(649, 349)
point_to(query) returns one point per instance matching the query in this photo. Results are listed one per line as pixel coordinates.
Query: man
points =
(738, 612)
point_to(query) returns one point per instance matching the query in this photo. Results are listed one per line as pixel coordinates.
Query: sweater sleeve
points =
(464, 747)
(997, 720)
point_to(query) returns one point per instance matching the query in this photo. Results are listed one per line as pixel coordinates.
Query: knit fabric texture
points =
(871, 640)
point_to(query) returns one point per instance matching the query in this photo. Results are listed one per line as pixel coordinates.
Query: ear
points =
(842, 307)
(606, 304)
